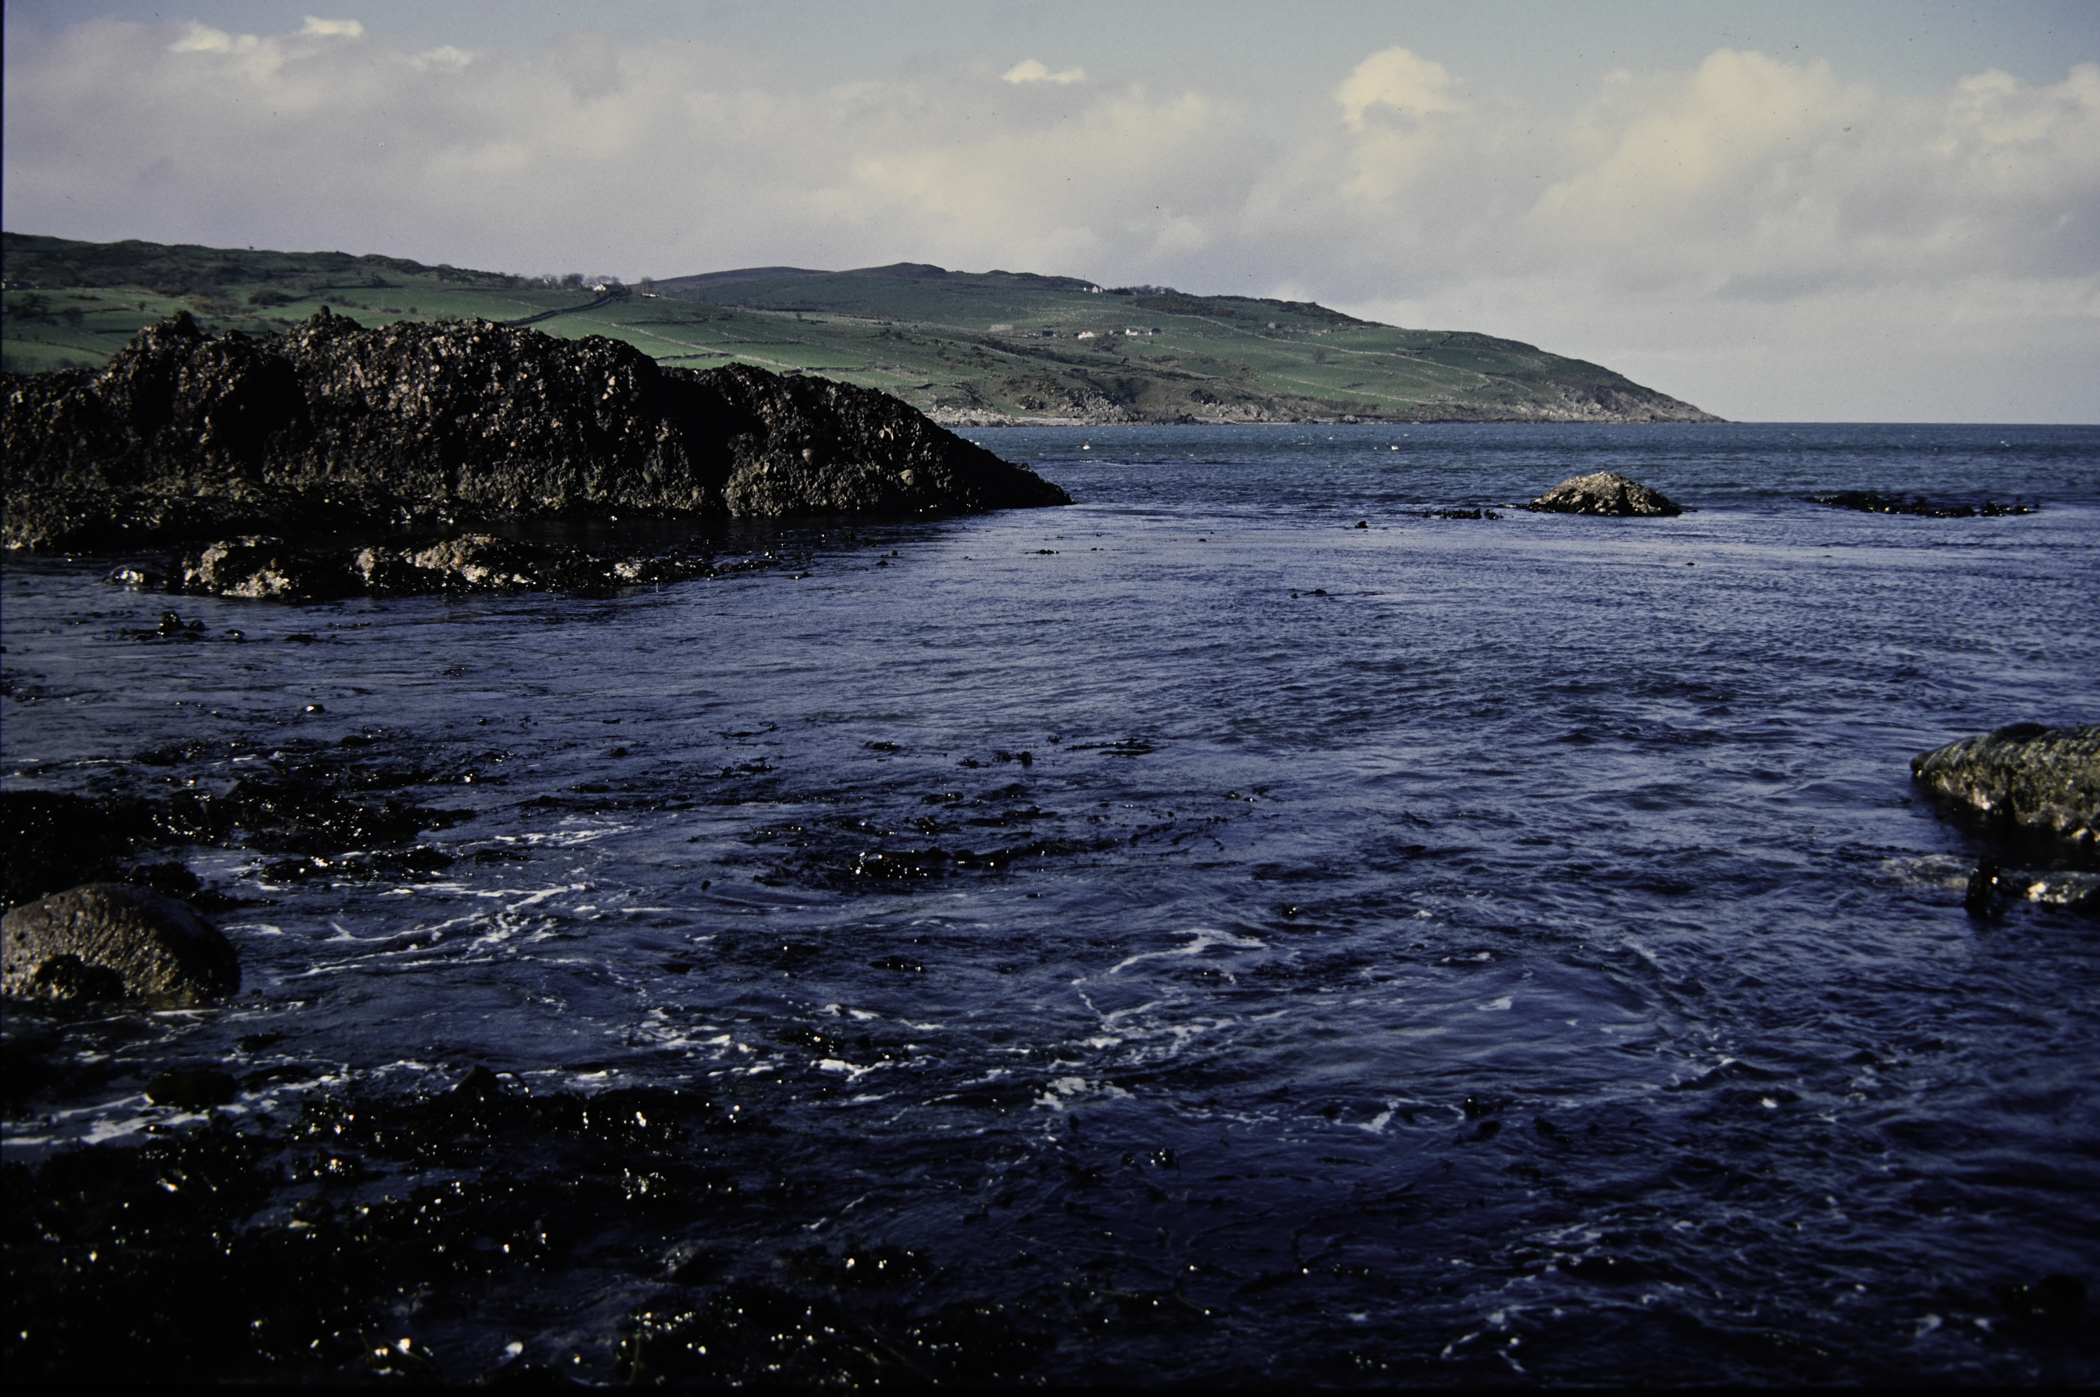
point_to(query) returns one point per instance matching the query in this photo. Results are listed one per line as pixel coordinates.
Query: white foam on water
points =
(1068, 1089)
(103, 1131)
(1200, 940)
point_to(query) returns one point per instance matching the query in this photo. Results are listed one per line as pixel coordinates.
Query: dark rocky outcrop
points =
(104, 939)
(1871, 502)
(329, 425)
(2027, 782)
(1605, 492)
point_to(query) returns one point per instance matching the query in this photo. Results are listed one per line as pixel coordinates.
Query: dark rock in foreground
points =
(1605, 492)
(110, 940)
(2024, 780)
(332, 426)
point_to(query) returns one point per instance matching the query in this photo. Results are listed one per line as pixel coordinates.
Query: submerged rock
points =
(186, 435)
(1605, 492)
(2023, 780)
(2078, 891)
(101, 940)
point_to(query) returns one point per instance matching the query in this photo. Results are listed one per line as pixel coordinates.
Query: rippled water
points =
(1447, 949)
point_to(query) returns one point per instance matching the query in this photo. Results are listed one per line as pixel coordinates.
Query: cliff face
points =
(330, 425)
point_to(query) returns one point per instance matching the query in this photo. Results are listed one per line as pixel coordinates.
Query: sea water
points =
(1358, 942)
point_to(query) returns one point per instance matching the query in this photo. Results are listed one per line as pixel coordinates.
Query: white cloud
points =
(1760, 234)
(258, 55)
(202, 38)
(1399, 80)
(443, 56)
(1033, 70)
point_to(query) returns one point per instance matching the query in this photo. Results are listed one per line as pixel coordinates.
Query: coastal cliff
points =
(330, 425)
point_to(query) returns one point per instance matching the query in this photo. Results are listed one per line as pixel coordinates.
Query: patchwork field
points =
(966, 347)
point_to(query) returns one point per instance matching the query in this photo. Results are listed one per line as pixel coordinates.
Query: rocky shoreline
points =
(333, 427)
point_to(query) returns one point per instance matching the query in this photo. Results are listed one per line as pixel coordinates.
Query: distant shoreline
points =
(972, 349)
(954, 421)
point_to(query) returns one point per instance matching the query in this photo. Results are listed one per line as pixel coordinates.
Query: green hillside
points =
(966, 347)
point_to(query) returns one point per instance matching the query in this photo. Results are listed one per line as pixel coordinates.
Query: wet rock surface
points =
(332, 426)
(309, 1249)
(55, 840)
(298, 808)
(106, 940)
(2026, 782)
(1606, 493)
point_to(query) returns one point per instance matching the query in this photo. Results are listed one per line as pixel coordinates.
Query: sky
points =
(1868, 211)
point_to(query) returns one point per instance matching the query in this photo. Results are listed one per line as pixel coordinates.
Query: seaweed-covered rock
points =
(1605, 492)
(101, 939)
(2023, 780)
(276, 569)
(330, 425)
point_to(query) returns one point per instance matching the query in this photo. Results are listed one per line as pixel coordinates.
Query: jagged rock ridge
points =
(332, 425)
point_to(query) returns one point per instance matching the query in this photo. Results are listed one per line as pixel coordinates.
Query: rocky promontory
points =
(332, 426)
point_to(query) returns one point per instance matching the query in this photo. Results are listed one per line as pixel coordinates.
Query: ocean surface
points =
(1243, 927)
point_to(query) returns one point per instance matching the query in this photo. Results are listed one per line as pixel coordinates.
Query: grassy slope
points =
(923, 335)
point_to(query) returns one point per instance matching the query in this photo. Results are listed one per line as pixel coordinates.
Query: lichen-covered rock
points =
(330, 425)
(2024, 780)
(102, 937)
(1605, 492)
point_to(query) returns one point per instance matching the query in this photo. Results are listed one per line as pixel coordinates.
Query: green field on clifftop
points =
(977, 347)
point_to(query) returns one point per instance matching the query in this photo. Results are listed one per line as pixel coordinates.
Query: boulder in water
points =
(100, 940)
(1605, 492)
(2023, 780)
